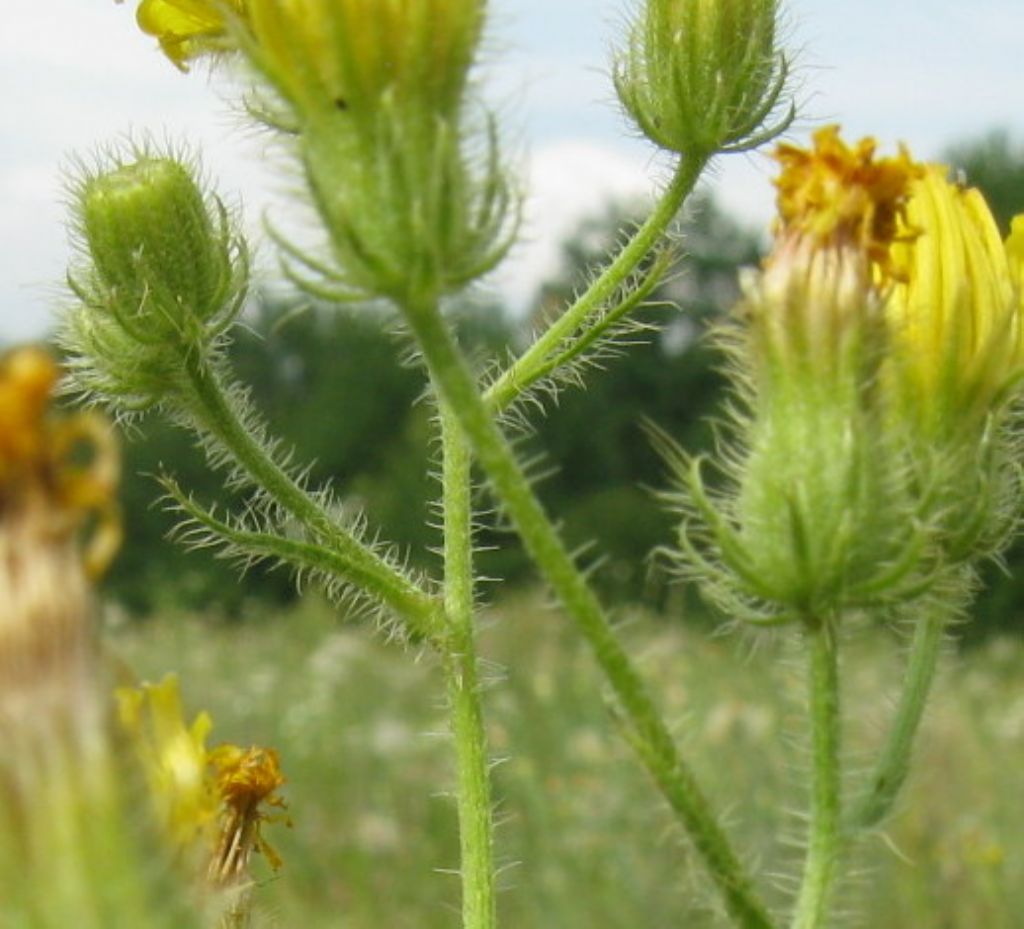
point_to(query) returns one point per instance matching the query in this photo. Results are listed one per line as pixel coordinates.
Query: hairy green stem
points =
(825, 837)
(893, 766)
(459, 392)
(533, 364)
(476, 823)
(217, 416)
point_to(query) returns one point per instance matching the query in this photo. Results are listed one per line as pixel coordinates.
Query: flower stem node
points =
(705, 76)
(163, 273)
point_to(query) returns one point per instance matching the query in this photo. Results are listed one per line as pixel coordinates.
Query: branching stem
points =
(217, 417)
(455, 383)
(893, 765)
(534, 362)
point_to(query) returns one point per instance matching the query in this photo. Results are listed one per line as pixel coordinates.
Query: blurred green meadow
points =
(584, 840)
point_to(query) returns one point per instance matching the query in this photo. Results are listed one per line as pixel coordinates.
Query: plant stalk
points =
(893, 766)
(533, 363)
(458, 390)
(825, 838)
(476, 823)
(216, 416)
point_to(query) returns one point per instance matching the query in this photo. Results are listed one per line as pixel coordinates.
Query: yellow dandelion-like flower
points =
(175, 761)
(211, 803)
(187, 29)
(955, 308)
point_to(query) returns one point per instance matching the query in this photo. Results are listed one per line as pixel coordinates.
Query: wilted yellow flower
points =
(247, 780)
(70, 852)
(843, 196)
(839, 212)
(27, 377)
(46, 496)
(819, 514)
(211, 803)
(955, 308)
(188, 28)
(43, 501)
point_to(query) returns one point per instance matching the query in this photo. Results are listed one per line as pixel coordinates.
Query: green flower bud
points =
(413, 198)
(704, 76)
(407, 213)
(822, 510)
(153, 244)
(162, 274)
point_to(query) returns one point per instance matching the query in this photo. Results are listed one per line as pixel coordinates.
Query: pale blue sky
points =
(74, 73)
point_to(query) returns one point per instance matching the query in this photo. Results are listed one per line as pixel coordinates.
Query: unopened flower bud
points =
(704, 76)
(163, 273)
(155, 245)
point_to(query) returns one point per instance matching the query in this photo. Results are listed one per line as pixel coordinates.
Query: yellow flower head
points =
(175, 760)
(929, 251)
(843, 196)
(187, 29)
(955, 309)
(27, 378)
(247, 780)
(822, 285)
(38, 467)
(209, 802)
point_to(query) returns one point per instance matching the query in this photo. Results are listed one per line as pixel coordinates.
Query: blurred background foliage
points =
(337, 385)
(583, 841)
